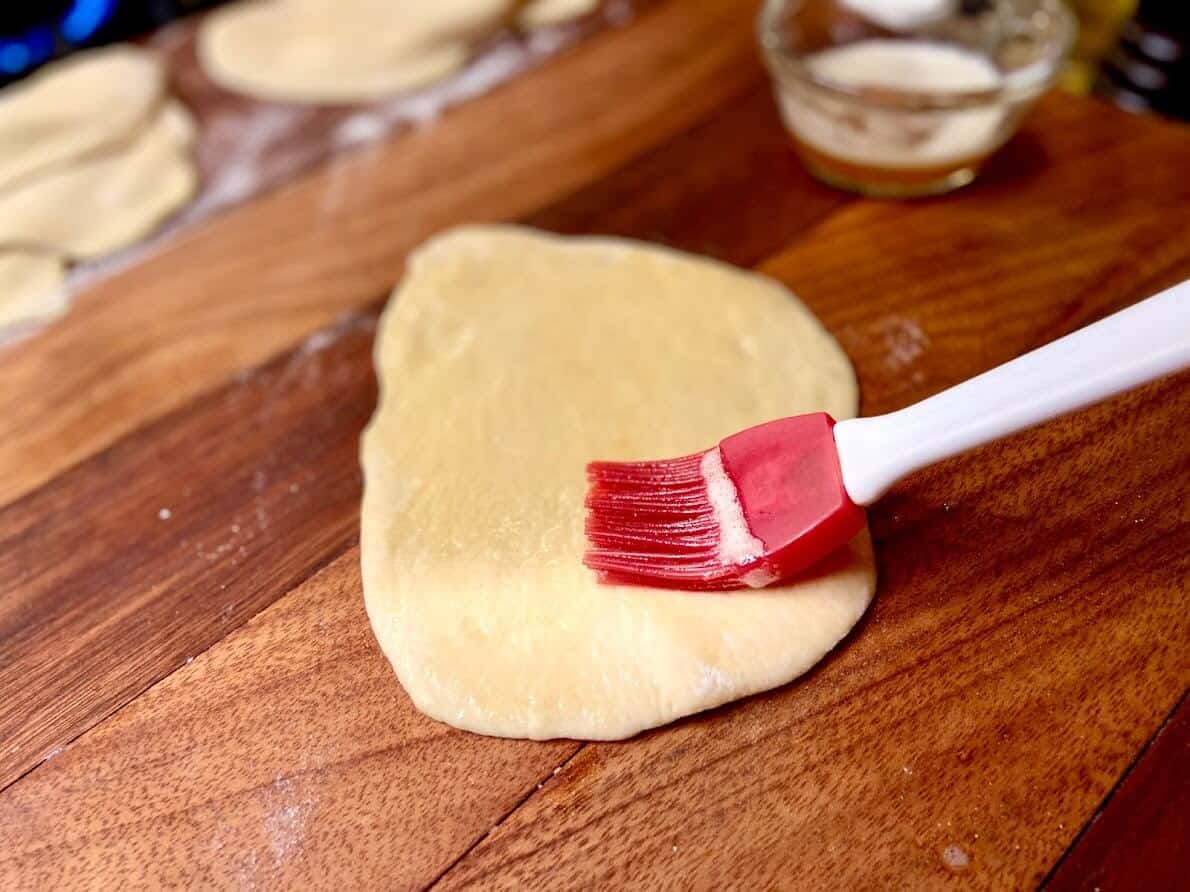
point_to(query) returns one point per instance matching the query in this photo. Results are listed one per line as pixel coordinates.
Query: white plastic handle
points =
(1134, 346)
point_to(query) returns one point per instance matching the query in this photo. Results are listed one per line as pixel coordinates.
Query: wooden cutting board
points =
(189, 691)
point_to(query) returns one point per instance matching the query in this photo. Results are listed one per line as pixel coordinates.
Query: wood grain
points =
(677, 193)
(259, 279)
(943, 289)
(970, 725)
(1143, 833)
(121, 569)
(1029, 634)
(1029, 631)
(47, 621)
(52, 613)
(282, 757)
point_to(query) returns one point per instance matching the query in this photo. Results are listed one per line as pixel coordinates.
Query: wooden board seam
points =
(364, 312)
(532, 791)
(1124, 775)
(1061, 303)
(285, 356)
(288, 352)
(369, 307)
(368, 310)
(856, 694)
(82, 732)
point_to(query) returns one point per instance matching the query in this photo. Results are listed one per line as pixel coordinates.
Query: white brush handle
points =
(1134, 346)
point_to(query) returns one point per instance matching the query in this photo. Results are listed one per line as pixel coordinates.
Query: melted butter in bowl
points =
(897, 145)
(907, 113)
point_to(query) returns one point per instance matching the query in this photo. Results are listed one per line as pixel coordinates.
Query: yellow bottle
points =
(1099, 26)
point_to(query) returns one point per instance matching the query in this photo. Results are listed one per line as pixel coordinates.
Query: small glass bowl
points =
(916, 137)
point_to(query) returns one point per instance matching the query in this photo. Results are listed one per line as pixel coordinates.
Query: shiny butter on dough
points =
(350, 51)
(98, 204)
(72, 108)
(507, 360)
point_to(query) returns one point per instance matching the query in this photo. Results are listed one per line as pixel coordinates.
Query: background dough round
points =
(102, 203)
(75, 107)
(32, 287)
(507, 360)
(542, 13)
(361, 50)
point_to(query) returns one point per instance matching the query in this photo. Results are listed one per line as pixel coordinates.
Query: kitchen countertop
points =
(189, 690)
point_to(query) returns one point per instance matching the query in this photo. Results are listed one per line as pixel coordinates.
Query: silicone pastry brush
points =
(774, 499)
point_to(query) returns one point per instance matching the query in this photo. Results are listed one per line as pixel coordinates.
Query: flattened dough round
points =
(541, 13)
(507, 360)
(51, 118)
(31, 287)
(99, 204)
(354, 51)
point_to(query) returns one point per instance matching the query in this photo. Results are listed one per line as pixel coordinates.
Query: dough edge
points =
(850, 601)
(424, 62)
(157, 177)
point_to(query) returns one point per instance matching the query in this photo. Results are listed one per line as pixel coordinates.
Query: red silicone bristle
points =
(651, 523)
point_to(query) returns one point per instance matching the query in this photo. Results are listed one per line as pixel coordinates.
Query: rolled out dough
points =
(72, 108)
(100, 203)
(540, 13)
(350, 51)
(507, 360)
(31, 287)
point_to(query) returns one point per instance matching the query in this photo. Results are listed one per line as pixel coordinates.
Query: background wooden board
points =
(226, 296)
(192, 696)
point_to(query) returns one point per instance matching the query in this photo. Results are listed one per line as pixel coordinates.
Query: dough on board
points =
(540, 13)
(93, 157)
(349, 51)
(507, 359)
(31, 287)
(82, 104)
(103, 202)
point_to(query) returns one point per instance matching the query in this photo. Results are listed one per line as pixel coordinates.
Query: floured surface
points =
(507, 360)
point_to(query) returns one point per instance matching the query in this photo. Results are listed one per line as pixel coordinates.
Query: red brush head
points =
(763, 505)
(790, 488)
